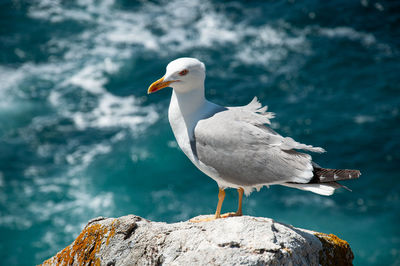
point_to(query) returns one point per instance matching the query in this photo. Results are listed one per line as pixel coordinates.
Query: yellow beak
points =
(158, 85)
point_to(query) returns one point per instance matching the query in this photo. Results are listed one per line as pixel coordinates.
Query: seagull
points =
(234, 145)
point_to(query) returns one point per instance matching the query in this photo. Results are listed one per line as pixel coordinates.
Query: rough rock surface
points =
(132, 240)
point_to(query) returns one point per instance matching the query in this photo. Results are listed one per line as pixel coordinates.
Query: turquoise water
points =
(79, 137)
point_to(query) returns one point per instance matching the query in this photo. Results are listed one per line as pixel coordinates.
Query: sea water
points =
(80, 138)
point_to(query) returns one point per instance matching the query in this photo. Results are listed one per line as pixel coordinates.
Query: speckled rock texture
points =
(132, 240)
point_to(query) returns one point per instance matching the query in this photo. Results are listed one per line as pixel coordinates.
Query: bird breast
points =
(180, 129)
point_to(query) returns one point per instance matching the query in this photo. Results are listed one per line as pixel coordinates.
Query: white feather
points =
(326, 189)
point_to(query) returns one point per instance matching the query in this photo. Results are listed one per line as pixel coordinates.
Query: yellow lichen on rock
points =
(83, 250)
(335, 251)
(114, 224)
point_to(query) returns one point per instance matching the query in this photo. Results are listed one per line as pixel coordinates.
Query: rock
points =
(132, 240)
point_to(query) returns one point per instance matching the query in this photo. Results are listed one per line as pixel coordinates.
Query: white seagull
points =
(233, 145)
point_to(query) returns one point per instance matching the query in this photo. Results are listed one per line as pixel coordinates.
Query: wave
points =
(176, 27)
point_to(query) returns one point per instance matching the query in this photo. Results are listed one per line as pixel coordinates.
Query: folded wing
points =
(244, 151)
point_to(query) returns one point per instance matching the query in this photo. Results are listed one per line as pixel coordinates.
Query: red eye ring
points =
(183, 72)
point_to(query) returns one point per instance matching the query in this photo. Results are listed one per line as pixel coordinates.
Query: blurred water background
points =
(79, 137)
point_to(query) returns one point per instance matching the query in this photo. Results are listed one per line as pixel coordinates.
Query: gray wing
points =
(245, 152)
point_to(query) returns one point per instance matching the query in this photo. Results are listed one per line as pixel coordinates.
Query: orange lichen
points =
(112, 231)
(83, 250)
(335, 251)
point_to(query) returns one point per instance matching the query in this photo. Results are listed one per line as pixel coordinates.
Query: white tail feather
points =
(325, 189)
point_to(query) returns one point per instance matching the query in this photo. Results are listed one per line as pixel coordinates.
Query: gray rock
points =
(132, 240)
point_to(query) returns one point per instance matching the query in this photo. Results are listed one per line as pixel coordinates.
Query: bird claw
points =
(230, 214)
(203, 219)
(209, 218)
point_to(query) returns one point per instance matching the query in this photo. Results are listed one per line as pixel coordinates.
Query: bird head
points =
(183, 75)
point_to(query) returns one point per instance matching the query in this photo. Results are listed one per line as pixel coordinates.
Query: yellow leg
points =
(221, 197)
(239, 210)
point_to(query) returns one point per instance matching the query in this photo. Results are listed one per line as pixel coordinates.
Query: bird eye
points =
(183, 72)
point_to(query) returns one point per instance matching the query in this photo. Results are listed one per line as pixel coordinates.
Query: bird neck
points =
(191, 101)
(189, 104)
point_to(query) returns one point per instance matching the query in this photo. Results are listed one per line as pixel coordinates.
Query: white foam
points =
(103, 201)
(342, 32)
(132, 34)
(269, 44)
(216, 29)
(89, 78)
(114, 111)
(179, 27)
(361, 119)
(14, 221)
(349, 33)
(139, 155)
(50, 188)
(172, 144)
(93, 54)
(85, 155)
(9, 79)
